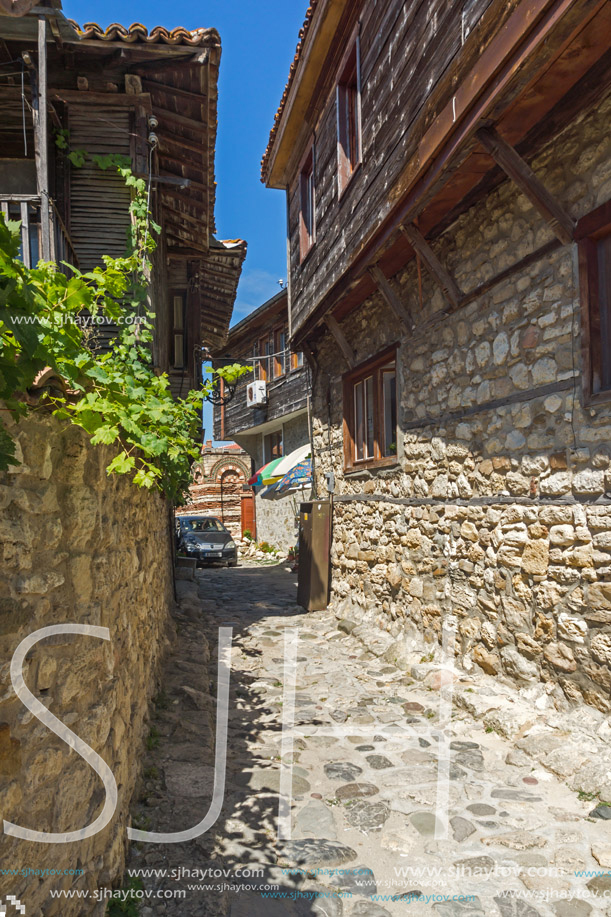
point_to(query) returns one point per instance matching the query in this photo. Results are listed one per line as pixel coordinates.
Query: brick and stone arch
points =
(233, 472)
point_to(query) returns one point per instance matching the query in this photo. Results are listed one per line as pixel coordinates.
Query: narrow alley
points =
(402, 802)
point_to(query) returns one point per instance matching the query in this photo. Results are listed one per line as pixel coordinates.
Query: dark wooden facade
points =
(431, 76)
(150, 97)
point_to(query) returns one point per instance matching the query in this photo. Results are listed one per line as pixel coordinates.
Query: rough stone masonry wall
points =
(77, 547)
(497, 517)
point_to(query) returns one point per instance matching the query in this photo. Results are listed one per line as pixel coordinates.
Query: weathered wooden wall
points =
(405, 49)
(99, 199)
(286, 395)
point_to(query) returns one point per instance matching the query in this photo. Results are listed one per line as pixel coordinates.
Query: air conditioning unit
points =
(256, 393)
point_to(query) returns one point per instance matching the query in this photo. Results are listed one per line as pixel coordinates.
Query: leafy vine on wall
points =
(117, 397)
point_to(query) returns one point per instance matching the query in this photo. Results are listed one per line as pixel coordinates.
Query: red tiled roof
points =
(139, 33)
(272, 136)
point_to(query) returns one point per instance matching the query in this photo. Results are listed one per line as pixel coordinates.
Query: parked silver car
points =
(205, 539)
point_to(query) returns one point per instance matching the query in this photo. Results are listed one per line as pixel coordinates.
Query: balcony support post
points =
(41, 140)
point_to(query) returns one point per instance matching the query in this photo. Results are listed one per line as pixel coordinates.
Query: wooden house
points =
(68, 94)
(448, 184)
(271, 421)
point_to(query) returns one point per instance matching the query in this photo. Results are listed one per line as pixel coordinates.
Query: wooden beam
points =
(391, 297)
(112, 99)
(523, 176)
(173, 117)
(176, 141)
(180, 162)
(177, 53)
(432, 262)
(175, 194)
(333, 326)
(193, 183)
(544, 252)
(154, 86)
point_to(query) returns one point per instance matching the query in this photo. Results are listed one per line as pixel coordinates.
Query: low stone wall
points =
(498, 510)
(78, 546)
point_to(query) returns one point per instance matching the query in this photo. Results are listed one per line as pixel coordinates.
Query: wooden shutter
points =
(99, 200)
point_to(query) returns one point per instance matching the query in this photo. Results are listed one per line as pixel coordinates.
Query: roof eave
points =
(310, 60)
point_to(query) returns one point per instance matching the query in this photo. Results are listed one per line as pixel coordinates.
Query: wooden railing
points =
(25, 208)
(62, 249)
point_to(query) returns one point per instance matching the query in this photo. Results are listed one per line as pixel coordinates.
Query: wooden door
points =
(249, 522)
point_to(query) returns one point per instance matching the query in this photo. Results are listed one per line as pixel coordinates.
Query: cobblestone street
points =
(395, 808)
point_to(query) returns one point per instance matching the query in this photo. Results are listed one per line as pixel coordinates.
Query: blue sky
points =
(259, 40)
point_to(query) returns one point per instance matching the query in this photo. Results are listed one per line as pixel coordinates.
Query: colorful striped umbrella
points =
(299, 476)
(265, 474)
(293, 458)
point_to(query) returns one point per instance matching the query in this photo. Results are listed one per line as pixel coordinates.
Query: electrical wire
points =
(148, 203)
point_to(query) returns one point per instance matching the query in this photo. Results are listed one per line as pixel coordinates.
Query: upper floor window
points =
(349, 145)
(594, 235)
(370, 413)
(279, 352)
(273, 446)
(297, 360)
(267, 349)
(307, 227)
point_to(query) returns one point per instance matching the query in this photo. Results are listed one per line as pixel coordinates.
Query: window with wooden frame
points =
(370, 413)
(349, 141)
(263, 364)
(593, 233)
(273, 446)
(307, 202)
(297, 360)
(279, 354)
(178, 340)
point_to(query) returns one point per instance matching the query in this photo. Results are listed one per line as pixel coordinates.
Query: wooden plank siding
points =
(406, 48)
(286, 395)
(99, 200)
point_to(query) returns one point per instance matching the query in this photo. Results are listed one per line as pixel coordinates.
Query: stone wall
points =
(496, 512)
(77, 546)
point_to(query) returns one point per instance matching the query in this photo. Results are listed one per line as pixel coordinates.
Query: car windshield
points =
(202, 525)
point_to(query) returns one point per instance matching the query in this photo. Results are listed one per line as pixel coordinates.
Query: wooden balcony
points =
(26, 209)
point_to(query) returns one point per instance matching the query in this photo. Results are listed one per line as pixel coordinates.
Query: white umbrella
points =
(289, 461)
